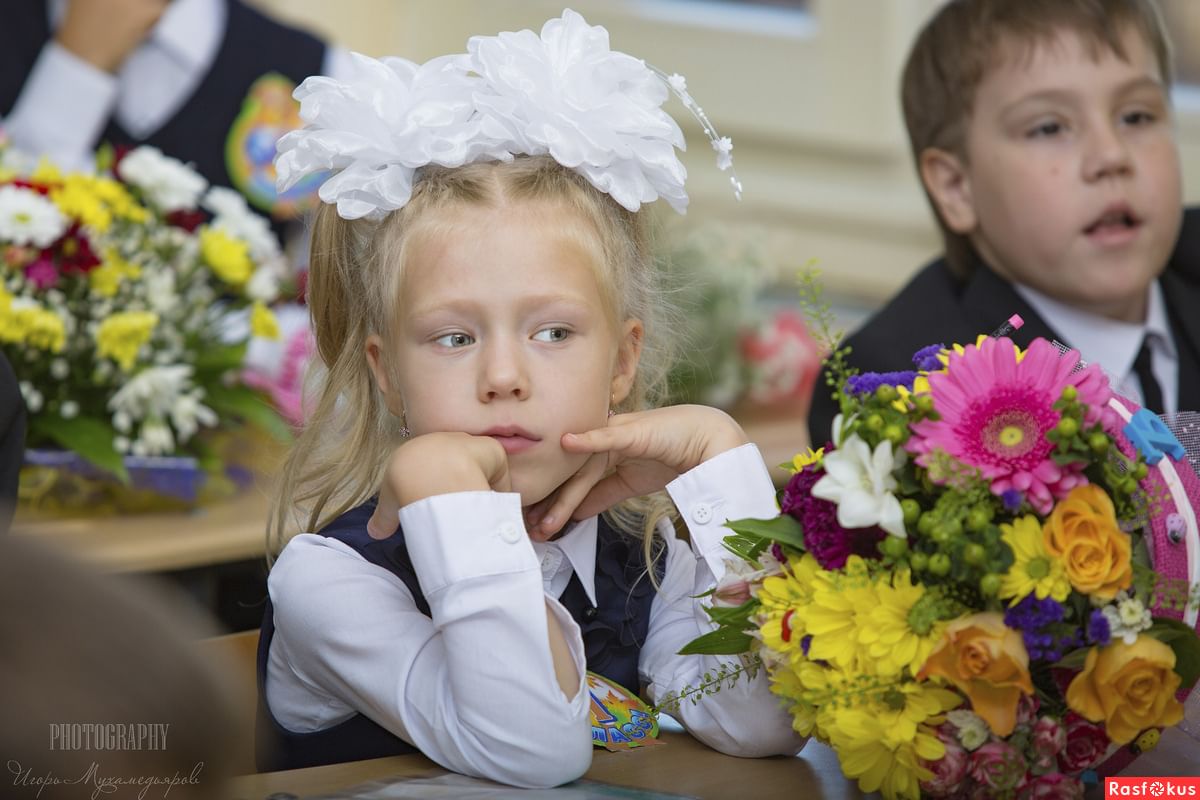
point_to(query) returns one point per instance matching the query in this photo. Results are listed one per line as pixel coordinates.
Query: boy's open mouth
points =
(1115, 219)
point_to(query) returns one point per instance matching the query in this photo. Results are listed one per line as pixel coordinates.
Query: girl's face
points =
(502, 332)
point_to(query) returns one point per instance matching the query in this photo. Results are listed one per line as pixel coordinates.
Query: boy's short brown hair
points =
(962, 42)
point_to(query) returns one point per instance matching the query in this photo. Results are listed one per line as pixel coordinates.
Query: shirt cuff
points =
(732, 485)
(63, 108)
(464, 535)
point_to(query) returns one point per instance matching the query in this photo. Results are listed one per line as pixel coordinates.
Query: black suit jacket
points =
(937, 306)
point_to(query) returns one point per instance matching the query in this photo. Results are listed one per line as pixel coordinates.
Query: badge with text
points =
(620, 720)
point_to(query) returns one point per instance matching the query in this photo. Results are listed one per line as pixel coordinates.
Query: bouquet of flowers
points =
(985, 586)
(127, 300)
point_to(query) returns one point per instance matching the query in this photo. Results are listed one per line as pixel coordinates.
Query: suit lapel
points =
(988, 301)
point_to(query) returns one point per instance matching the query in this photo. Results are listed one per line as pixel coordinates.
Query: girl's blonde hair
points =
(354, 285)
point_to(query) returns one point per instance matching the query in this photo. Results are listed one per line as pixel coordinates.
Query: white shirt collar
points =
(188, 30)
(579, 546)
(1100, 340)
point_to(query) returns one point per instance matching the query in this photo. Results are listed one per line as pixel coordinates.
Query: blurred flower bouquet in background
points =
(127, 302)
(731, 356)
(985, 586)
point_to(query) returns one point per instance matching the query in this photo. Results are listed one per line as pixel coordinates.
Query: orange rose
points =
(1082, 531)
(986, 661)
(1131, 687)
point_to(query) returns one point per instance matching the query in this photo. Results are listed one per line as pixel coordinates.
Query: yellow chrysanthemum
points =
(121, 335)
(229, 258)
(872, 755)
(31, 325)
(807, 458)
(96, 202)
(839, 614)
(783, 597)
(1034, 569)
(106, 279)
(263, 323)
(45, 172)
(902, 631)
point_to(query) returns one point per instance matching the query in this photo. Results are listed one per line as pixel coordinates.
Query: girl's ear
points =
(949, 184)
(375, 361)
(629, 352)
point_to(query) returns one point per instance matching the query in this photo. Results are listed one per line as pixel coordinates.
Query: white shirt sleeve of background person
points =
(474, 687)
(747, 719)
(63, 108)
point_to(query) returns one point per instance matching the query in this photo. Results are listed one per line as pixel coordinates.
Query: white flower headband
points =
(563, 93)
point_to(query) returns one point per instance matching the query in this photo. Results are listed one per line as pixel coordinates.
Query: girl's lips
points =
(514, 444)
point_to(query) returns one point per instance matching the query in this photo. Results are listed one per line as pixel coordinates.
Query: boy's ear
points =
(945, 178)
(375, 362)
(629, 352)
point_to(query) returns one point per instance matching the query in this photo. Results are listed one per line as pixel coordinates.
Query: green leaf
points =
(1074, 659)
(249, 405)
(721, 642)
(1183, 640)
(783, 529)
(90, 438)
(738, 616)
(747, 548)
(220, 359)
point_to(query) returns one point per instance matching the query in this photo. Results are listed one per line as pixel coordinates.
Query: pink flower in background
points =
(1049, 737)
(998, 766)
(282, 375)
(784, 362)
(949, 770)
(1086, 746)
(42, 273)
(996, 409)
(1053, 786)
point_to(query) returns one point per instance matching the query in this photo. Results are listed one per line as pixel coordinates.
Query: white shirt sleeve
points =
(473, 687)
(747, 719)
(62, 109)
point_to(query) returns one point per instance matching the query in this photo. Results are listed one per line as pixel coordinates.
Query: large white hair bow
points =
(563, 93)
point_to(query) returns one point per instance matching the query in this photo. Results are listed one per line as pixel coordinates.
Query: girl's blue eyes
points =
(456, 340)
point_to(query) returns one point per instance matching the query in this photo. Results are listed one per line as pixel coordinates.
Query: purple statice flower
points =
(926, 359)
(868, 382)
(805, 643)
(1012, 500)
(829, 543)
(1099, 631)
(1032, 617)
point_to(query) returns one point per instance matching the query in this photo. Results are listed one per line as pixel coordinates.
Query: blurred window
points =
(1182, 19)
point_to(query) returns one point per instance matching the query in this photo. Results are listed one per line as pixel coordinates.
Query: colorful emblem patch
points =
(268, 112)
(620, 720)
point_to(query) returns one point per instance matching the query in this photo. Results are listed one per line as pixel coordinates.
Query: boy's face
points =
(1071, 182)
(502, 330)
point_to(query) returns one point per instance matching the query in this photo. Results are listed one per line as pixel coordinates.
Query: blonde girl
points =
(483, 466)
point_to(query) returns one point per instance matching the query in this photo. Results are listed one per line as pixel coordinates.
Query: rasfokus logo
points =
(1151, 787)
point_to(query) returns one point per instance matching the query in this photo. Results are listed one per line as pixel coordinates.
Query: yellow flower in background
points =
(96, 202)
(106, 279)
(903, 628)
(784, 598)
(121, 335)
(1034, 570)
(25, 322)
(807, 458)
(1082, 530)
(229, 258)
(839, 615)
(872, 755)
(263, 323)
(1130, 687)
(45, 172)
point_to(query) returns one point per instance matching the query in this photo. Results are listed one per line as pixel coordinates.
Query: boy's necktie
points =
(1152, 397)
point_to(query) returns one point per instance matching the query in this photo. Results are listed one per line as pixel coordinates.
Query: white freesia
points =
(166, 182)
(188, 414)
(155, 439)
(28, 218)
(861, 483)
(562, 92)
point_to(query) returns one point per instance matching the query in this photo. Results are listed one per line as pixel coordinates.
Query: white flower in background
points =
(861, 484)
(1127, 617)
(33, 398)
(28, 218)
(972, 730)
(188, 414)
(59, 368)
(233, 216)
(152, 392)
(166, 182)
(122, 422)
(155, 439)
(160, 291)
(263, 285)
(69, 409)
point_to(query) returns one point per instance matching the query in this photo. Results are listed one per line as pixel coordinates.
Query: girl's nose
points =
(503, 372)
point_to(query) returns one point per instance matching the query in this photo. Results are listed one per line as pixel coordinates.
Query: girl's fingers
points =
(603, 495)
(568, 496)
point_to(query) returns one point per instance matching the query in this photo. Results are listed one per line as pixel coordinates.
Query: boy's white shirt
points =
(66, 102)
(473, 687)
(1114, 345)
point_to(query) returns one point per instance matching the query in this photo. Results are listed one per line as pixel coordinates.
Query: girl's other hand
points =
(635, 454)
(437, 463)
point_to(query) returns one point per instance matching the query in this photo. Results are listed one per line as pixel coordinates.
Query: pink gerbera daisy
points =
(996, 407)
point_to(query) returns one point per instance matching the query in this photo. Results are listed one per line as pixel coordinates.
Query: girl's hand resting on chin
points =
(437, 463)
(635, 454)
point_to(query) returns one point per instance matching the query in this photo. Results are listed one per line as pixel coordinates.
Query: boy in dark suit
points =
(1042, 131)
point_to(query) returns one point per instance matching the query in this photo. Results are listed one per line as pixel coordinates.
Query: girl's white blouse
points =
(473, 687)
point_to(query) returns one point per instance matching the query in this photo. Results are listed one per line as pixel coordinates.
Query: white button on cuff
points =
(509, 533)
(702, 513)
